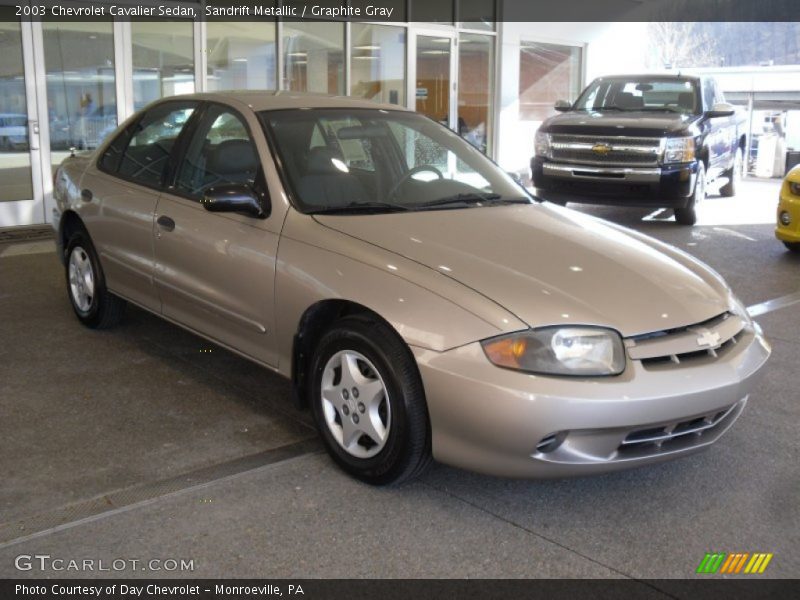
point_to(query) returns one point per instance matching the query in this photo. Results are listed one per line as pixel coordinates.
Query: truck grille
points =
(606, 150)
(708, 340)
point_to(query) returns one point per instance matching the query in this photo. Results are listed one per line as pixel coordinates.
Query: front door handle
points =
(166, 223)
(86, 195)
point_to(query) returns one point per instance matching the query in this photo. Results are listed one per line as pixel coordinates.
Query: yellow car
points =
(788, 229)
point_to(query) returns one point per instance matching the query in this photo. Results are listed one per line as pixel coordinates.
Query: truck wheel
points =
(792, 246)
(734, 176)
(688, 214)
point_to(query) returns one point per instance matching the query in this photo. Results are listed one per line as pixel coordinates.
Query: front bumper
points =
(657, 186)
(507, 423)
(791, 204)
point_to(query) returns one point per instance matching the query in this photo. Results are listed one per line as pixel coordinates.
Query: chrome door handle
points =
(166, 223)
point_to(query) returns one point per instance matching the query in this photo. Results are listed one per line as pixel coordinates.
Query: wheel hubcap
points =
(81, 279)
(355, 404)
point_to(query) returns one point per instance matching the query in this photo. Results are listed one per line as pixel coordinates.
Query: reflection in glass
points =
(15, 160)
(163, 60)
(314, 57)
(547, 72)
(433, 78)
(378, 67)
(241, 55)
(81, 93)
(475, 89)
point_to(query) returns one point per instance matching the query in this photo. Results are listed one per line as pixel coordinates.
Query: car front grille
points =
(606, 150)
(706, 341)
(675, 435)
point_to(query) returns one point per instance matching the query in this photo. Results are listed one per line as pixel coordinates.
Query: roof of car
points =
(259, 100)
(651, 76)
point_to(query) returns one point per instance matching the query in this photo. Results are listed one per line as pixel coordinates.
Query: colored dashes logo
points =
(736, 563)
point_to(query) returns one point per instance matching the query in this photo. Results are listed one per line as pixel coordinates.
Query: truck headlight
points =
(581, 351)
(542, 144)
(794, 187)
(679, 150)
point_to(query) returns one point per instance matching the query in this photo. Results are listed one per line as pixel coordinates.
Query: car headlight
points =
(582, 351)
(542, 144)
(794, 188)
(679, 150)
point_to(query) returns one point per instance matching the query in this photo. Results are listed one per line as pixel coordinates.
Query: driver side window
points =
(221, 151)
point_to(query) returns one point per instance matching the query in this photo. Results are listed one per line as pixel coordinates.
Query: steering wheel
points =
(410, 173)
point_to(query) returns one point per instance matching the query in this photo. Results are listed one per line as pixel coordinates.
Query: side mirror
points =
(721, 109)
(233, 197)
(563, 106)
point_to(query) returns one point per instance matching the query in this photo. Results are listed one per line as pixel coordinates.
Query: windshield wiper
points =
(471, 198)
(358, 207)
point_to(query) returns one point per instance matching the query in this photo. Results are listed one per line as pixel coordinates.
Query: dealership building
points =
(66, 83)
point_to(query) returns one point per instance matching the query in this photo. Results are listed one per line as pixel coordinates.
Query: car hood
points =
(548, 265)
(634, 123)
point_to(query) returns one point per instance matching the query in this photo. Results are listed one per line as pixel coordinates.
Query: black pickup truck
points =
(641, 140)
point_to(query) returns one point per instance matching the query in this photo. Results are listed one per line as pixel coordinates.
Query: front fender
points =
(316, 263)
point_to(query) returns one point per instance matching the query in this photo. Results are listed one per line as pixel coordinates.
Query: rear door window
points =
(146, 155)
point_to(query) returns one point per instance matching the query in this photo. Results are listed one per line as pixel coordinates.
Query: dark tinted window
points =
(151, 142)
(221, 151)
(109, 162)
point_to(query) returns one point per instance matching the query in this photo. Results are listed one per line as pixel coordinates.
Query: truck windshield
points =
(640, 94)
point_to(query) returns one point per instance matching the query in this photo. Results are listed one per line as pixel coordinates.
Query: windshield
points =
(674, 95)
(358, 160)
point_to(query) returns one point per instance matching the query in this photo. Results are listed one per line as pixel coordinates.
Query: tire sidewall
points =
(81, 239)
(390, 461)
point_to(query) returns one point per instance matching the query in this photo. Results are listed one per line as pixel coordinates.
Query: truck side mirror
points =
(563, 105)
(721, 109)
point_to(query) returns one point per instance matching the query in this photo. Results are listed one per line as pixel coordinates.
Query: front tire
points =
(734, 176)
(792, 246)
(93, 304)
(369, 404)
(688, 214)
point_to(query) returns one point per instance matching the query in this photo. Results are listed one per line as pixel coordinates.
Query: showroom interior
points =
(147, 440)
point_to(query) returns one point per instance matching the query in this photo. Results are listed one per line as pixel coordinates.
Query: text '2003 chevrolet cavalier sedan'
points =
(422, 303)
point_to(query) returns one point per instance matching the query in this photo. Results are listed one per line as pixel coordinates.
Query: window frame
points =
(129, 130)
(182, 145)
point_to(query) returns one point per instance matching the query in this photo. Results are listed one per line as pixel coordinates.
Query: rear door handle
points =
(86, 195)
(166, 223)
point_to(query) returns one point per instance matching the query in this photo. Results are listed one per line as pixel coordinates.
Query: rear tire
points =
(368, 402)
(688, 214)
(93, 304)
(734, 176)
(792, 246)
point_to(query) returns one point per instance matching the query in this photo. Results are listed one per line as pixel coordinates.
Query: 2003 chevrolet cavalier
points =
(422, 304)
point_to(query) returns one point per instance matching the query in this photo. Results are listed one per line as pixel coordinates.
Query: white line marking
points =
(768, 306)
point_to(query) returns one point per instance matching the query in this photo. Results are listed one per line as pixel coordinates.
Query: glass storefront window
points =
(475, 89)
(547, 72)
(81, 89)
(15, 158)
(378, 67)
(163, 60)
(241, 55)
(313, 57)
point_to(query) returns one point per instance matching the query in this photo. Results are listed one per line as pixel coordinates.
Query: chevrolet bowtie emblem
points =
(708, 338)
(601, 149)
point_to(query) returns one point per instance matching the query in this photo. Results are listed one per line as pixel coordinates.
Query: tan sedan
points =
(422, 303)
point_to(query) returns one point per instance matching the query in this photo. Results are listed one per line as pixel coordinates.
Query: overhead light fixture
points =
(367, 47)
(297, 54)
